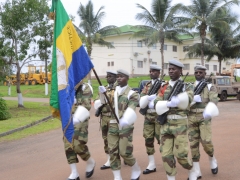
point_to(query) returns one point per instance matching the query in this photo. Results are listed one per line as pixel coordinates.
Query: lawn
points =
(38, 91)
(32, 112)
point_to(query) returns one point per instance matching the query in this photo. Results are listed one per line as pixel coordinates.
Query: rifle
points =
(99, 110)
(201, 85)
(154, 89)
(177, 88)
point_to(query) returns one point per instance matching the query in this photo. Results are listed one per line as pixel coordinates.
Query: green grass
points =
(32, 111)
(37, 129)
(38, 91)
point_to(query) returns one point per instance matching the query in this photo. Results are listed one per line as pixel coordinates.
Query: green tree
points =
(203, 15)
(19, 19)
(161, 23)
(4, 113)
(90, 27)
(224, 41)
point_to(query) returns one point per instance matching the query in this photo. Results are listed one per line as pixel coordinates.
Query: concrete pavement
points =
(42, 156)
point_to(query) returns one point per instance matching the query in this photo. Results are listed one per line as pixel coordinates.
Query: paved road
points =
(42, 156)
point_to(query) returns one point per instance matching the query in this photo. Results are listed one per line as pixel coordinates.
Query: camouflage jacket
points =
(165, 90)
(84, 96)
(124, 101)
(207, 95)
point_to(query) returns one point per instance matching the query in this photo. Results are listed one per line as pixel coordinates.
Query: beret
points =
(200, 67)
(176, 63)
(112, 72)
(155, 67)
(121, 71)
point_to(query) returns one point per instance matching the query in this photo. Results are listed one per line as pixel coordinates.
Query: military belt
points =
(197, 110)
(151, 111)
(175, 116)
(113, 121)
(107, 114)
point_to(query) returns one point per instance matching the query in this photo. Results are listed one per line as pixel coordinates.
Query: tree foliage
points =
(160, 24)
(4, 113)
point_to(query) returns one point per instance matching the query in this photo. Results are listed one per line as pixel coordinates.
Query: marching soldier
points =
(151, 127)
(80, 120)
(120, 135)
(200, 121)
(105, 113)
(173, 117)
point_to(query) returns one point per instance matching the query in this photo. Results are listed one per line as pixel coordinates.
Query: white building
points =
(134, 56)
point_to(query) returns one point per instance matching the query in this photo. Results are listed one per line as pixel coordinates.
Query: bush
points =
(4, 114)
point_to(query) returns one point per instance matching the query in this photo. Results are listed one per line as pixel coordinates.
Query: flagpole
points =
(108, 101)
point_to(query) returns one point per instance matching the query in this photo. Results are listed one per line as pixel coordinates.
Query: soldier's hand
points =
(102, 89)
(174, 102)
(197, 98)
(123, 122)
(206, 115)
(152, 97)
(75, 100)
(151, 104)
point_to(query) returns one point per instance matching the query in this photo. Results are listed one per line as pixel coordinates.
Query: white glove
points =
(152, 97)
(206, 115)
(151, 104)
(75, 121)
(123, 122)
(75, 100)
(102, 89)
(174, 102)
(197, 98)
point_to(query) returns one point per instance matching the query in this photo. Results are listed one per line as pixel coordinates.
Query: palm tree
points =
(160, 24)
(224, 43)
(91, 26)
(203, 14)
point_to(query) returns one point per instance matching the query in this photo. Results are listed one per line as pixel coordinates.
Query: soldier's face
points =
(111, 78)
(122, 80)
(154, 74)
(174, 72)
(200, 74)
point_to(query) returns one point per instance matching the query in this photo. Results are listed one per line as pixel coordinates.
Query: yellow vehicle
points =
(36, 76)
(13, 79)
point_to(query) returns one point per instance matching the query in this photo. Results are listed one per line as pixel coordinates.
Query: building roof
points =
(129, 29)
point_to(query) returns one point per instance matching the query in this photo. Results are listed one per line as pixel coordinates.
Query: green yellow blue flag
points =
(70, 64)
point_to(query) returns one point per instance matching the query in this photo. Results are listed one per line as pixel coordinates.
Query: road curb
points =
(25, 127)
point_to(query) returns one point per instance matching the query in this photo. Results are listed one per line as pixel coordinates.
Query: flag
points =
(70, 64)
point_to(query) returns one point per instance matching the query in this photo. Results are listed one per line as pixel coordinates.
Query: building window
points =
(165, 47)
(111, 47)
(224, 68)
(154, 46)
(174, 48)
(112, 63)
(108, 63)
(154, 63)
(185, 48)
(165, 65)
(140, 64)
(139, 43)
(207, 66)
(186, 66)
(215, 67)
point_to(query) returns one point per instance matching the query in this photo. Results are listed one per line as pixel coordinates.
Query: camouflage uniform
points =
(200, 128)
(173, 134)
(107, 115)
(151, 127)
(80, 136)
(120, 140)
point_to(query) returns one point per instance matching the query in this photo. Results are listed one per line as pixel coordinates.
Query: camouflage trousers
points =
(104, 126)
(151, 129)
(120, 144)
(174, 142)
(78, 146)
(199, 131)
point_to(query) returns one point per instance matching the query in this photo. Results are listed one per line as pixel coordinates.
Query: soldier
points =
(83, 98)
(151, 128)
(120, 135)
(200, 122)
(106, 114)
(173, 133)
